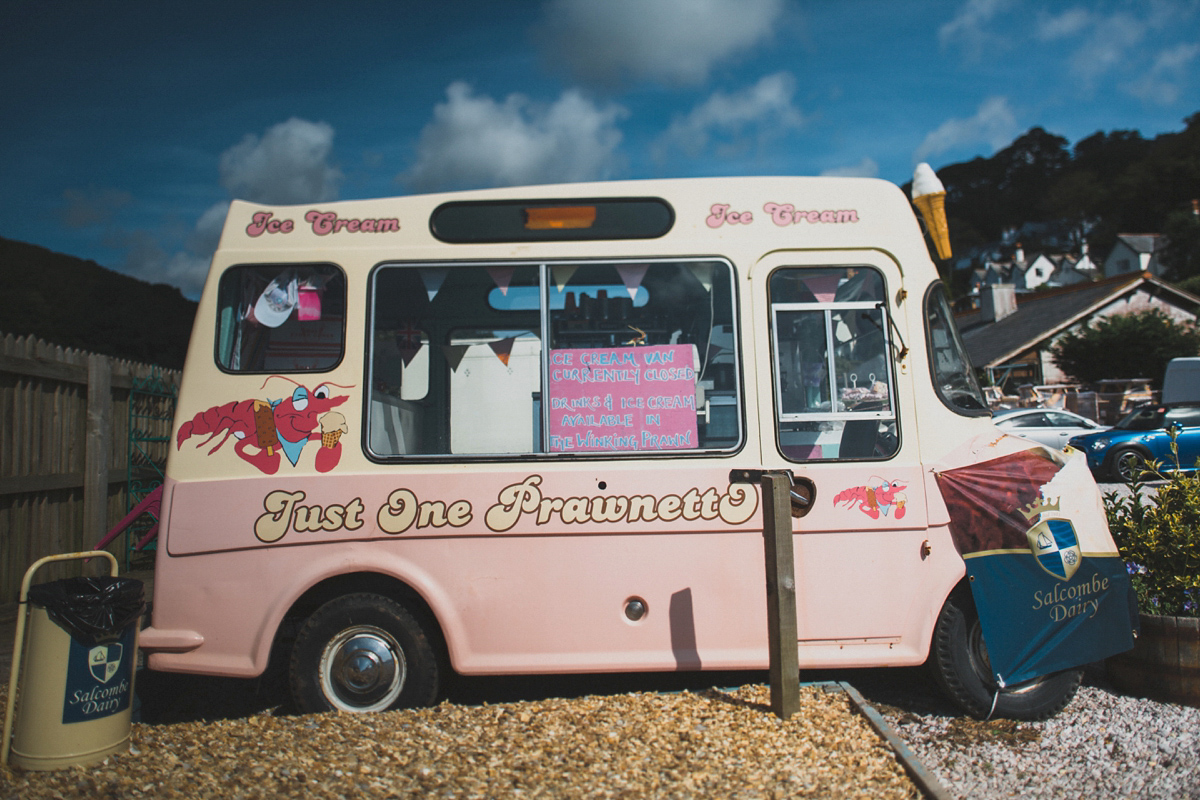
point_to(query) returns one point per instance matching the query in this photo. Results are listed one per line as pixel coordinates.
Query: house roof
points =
(1042, 315)
(1141, 242)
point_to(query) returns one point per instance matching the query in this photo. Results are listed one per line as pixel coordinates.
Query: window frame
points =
(544, 332)
(891, 414)
(282, 267)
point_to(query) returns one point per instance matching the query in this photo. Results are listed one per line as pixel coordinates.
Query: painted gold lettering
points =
(523, 497)
(669, 507)
(271, 526)
(739, 504)
(399, 513)
(431, 513)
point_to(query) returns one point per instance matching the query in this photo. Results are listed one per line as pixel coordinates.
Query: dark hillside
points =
(75, 303)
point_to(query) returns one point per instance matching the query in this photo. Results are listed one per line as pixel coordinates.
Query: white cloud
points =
(1061, 26)
(673, 41)
(764, 111)
(474, 141)
(994, 123)
(1163, 83)
(1109, 46)
(969, 29)
(867, 168)
(289, 164)
(145, 259)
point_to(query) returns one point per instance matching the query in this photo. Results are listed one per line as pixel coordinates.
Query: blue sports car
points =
(1144, 435)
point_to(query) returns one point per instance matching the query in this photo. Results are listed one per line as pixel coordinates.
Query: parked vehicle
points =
(1048, 426)
(1142, 436)
(496, 432)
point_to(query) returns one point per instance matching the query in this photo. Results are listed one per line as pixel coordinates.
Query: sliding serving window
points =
(513, 359)
(834, 396)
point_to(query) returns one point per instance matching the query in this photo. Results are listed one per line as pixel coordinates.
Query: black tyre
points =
(960, 665)
(1127, 463)
(362, 652)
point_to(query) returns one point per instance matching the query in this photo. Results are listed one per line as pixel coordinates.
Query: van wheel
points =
(961, 668)
(362, 652)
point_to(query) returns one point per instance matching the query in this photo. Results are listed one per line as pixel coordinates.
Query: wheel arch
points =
(360, 581)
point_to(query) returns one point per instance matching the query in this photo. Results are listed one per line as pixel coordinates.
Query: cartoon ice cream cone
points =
(333, 425)
(929, 195)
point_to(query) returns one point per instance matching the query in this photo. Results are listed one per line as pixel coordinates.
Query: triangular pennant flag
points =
(704, 273)
(454, 354)
(408, 341)
(562, 274)
(502, 349)
(631, 275)
(433, 278)
(823, 287)
(502, 276)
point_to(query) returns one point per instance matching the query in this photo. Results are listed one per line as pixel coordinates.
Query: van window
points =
(281, 318)
(512, 359)
(952, 375)
(832, 365)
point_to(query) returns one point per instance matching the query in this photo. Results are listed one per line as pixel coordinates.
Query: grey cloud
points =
(671, 41)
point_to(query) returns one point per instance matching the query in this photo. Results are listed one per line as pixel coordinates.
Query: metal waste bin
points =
(72, 683)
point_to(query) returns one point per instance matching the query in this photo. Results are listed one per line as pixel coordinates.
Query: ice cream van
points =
(493, 433)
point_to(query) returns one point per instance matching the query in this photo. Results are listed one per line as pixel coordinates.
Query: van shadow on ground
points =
(166, 698)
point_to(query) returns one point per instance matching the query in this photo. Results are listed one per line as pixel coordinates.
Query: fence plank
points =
(63, 451)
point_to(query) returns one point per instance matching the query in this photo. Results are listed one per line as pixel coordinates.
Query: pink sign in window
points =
(623, 399)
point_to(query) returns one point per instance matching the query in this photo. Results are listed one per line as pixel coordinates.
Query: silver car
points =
(1047, 426)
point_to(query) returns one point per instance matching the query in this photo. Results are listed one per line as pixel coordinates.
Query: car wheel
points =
(1127, 464)
(362, 652)
(960, 665)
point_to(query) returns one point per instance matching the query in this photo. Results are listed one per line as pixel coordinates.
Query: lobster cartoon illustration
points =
(878, 496)
(265, 428)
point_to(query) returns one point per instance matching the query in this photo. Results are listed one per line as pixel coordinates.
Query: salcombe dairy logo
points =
(1052, 540)
(104, 661)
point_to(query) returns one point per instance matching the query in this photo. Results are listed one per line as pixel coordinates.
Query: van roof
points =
(820, 211)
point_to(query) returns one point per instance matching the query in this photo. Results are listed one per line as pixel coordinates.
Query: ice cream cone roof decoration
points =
(929, 195)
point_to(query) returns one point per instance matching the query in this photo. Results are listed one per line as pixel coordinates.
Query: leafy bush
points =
(1160, 541)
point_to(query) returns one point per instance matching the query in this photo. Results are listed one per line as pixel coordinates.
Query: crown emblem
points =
(1033, 509)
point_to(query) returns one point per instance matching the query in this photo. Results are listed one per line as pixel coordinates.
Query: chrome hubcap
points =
(363, 669)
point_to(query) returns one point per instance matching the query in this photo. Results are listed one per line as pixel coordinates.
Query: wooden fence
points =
(64, 453)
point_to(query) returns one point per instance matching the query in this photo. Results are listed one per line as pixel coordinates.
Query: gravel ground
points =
(1103, 745)
(687, 744)
(602, 736)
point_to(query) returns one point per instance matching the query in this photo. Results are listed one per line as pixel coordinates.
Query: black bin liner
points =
(91, 609)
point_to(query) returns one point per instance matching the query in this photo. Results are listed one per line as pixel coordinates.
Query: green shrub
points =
(1160, 541)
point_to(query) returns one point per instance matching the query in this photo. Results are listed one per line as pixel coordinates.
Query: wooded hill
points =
(75, 303)
(1043, 193)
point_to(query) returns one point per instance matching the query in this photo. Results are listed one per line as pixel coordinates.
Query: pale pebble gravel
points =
(688, 744)
(1103, 745)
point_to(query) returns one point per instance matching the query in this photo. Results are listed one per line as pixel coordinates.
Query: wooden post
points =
(782, 636)
(783, 640)
(98, 451)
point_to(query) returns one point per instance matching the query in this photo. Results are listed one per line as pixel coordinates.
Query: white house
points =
(1135, 252)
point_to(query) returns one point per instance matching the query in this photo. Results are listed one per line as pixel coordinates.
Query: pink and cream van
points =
(492, 432)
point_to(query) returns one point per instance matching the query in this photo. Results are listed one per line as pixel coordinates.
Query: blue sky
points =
(128, 126)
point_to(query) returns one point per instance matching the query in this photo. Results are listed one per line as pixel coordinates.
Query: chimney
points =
(1019, 255)
(998, 301)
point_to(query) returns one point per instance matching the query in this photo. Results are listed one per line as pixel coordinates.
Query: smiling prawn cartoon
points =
(877, 497)
(265, 428)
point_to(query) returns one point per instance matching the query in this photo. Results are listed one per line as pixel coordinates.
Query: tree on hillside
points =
(1137, 345)
(1181, 256)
